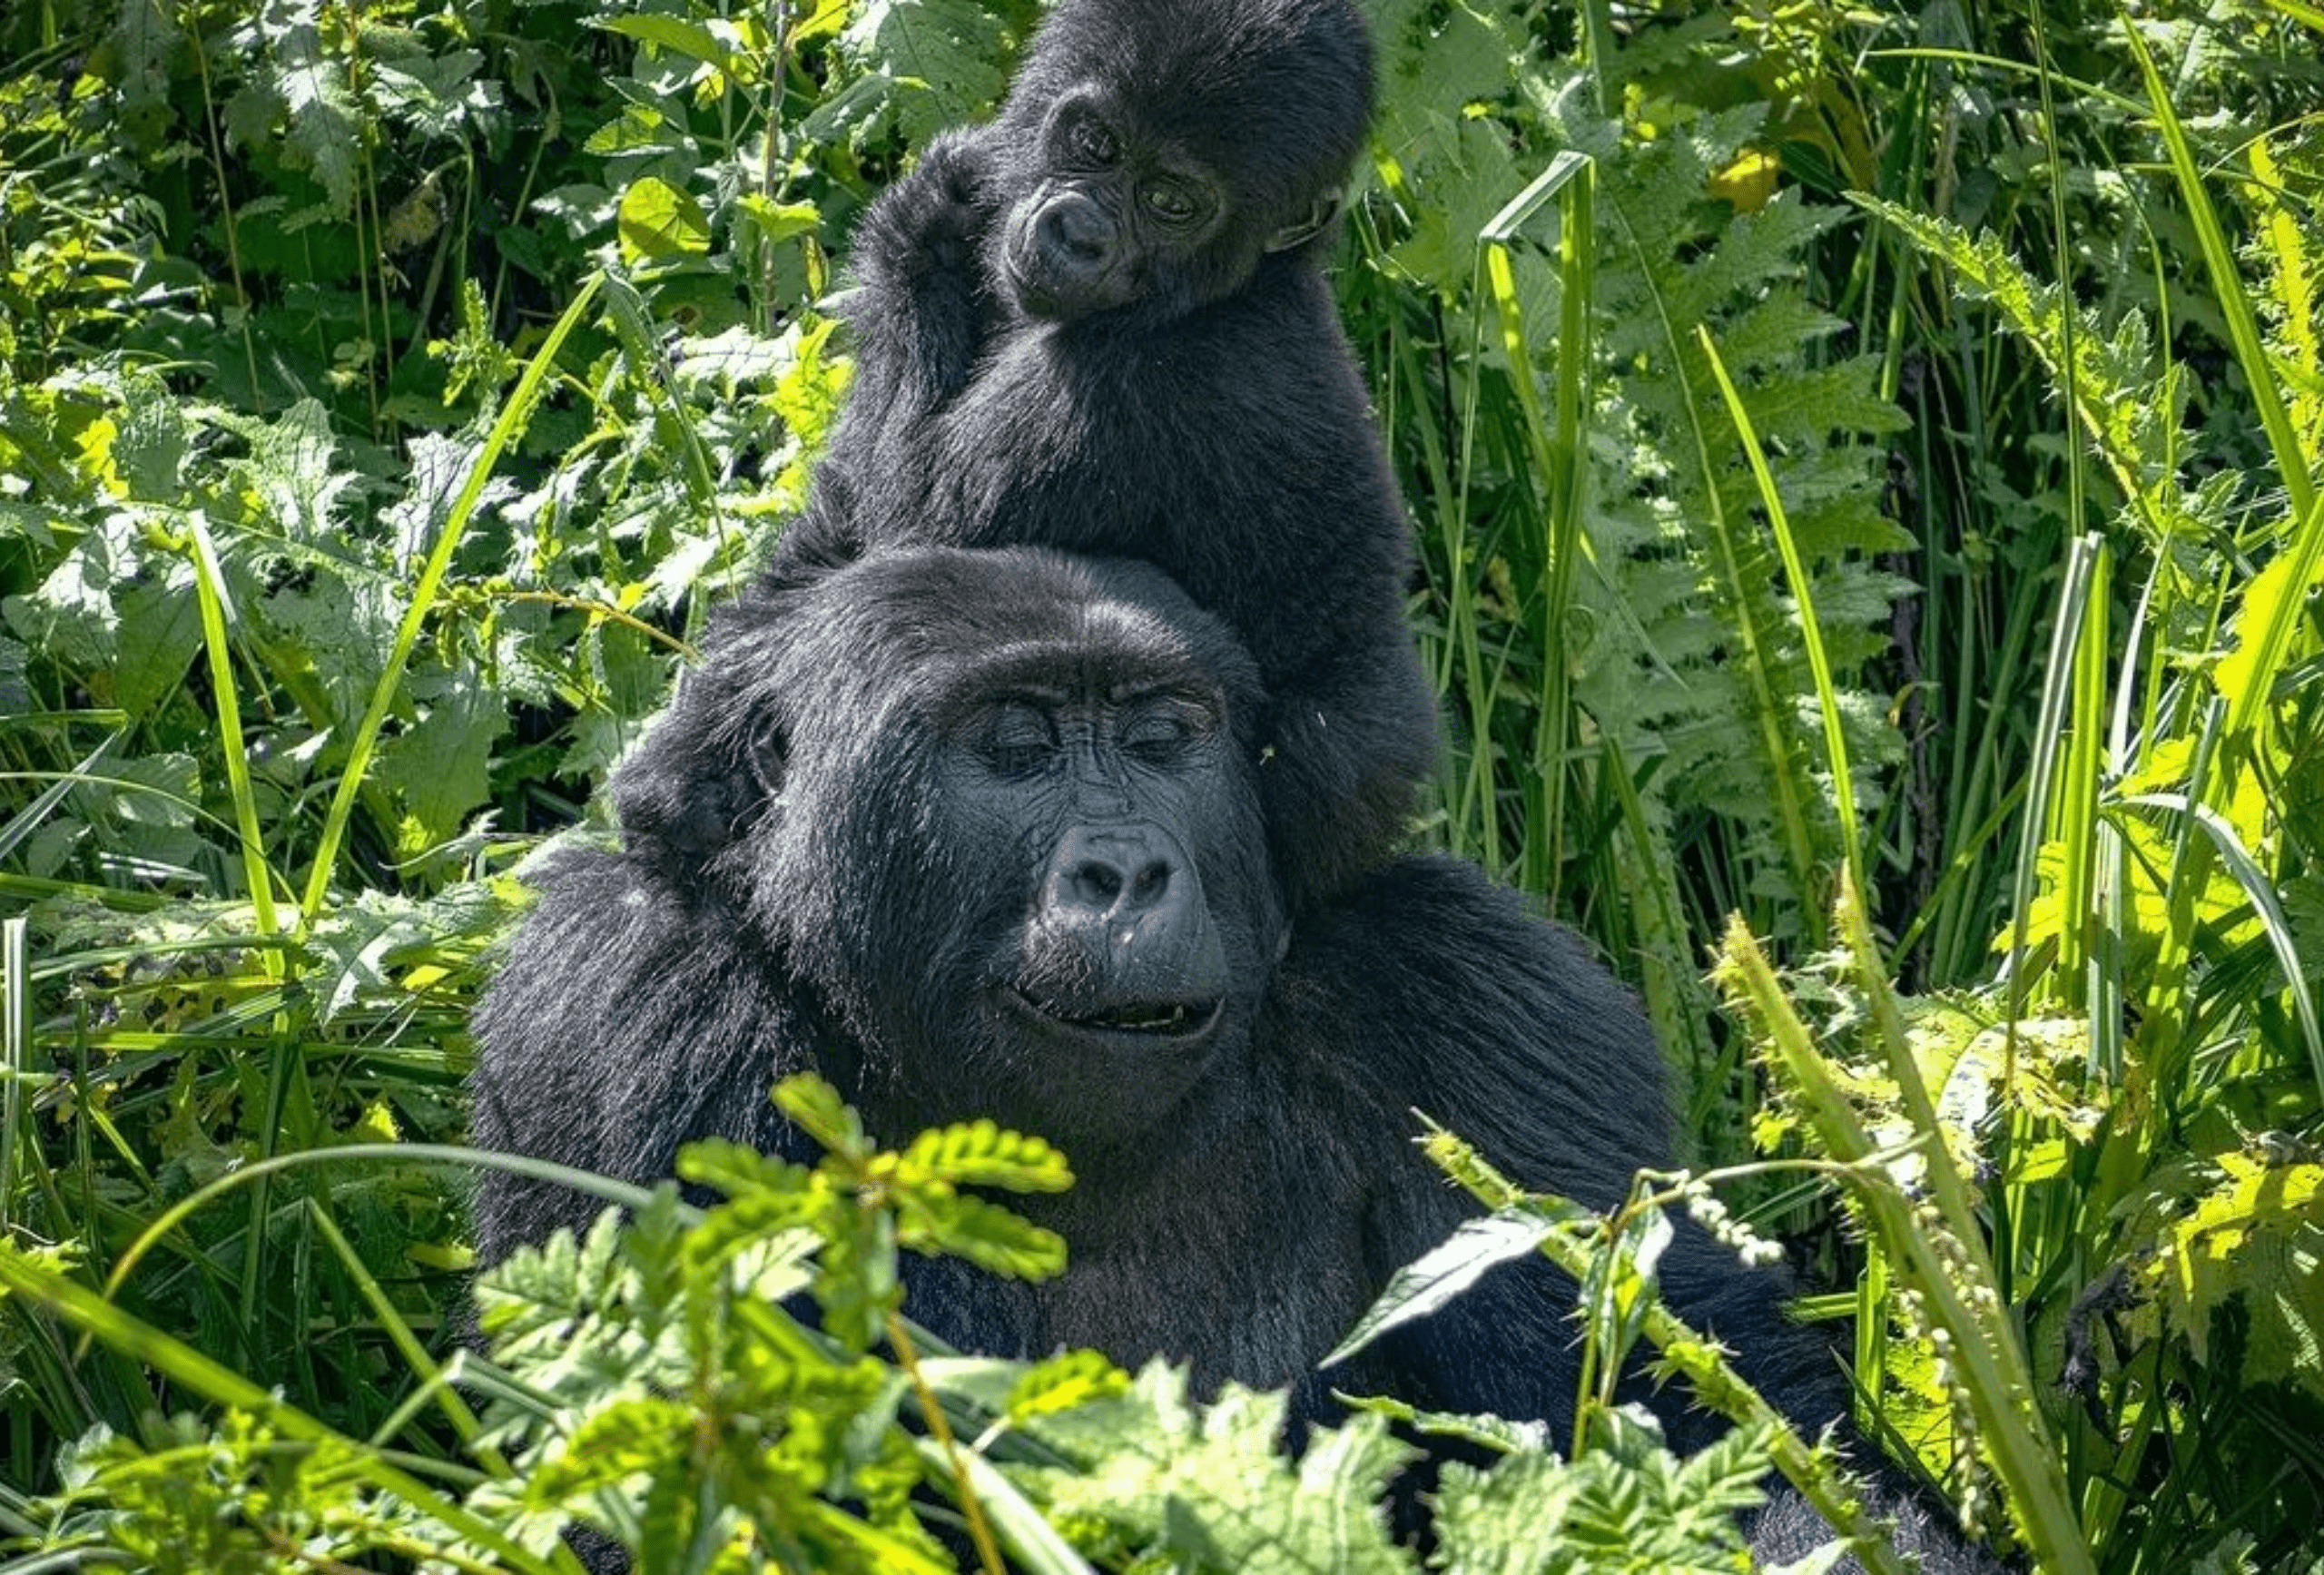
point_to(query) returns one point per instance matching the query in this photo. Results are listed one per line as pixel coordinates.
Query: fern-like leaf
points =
(981, 1154)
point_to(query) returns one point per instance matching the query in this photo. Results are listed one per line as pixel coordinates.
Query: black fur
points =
(1042, 360)
(903, 868)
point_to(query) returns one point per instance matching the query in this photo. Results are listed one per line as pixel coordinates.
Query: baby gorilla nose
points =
(1075, 235)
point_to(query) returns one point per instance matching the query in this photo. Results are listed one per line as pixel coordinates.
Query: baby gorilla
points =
(997, 849)
(1100, 323)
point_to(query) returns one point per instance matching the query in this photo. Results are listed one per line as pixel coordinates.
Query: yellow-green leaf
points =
(659, 222)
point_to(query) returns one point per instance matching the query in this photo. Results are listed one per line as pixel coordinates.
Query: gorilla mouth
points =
(1152, 1019)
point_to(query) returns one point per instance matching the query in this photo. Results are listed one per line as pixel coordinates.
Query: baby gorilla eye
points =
(1170, 201)
(1092, 145)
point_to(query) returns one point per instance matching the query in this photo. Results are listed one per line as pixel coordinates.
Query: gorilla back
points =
(1100, 323)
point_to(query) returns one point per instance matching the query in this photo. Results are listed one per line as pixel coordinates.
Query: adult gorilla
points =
(1100, 323)
(1001, 853)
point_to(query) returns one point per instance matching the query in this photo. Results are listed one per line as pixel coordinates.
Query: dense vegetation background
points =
(1867, 469)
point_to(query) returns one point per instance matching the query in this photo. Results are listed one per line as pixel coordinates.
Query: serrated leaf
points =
(821, 1114)
(740, 1171)
(925, 64)
(292, 467)
(150, 450)
(2255, 1233)
(985, 1233)
(1211, 1488)
(71, 616)
(641, 1435)
(161, 630)
(326, 129)
(439, 768)
(1508, 1521)
(1069, 1378)
(146, 35)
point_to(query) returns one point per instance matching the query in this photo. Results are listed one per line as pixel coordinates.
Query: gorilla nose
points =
(1111, 874)
(1075, 235)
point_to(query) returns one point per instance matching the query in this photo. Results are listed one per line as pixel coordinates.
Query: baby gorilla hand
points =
(932, 222)
(918, 252)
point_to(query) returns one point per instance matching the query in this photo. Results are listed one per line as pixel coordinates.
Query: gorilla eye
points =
(1159, 734)
(1092, 145)
(1020, 741)
(1170, 203)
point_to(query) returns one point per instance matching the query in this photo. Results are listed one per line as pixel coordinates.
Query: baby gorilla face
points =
(1112, 215)
(1153, 151)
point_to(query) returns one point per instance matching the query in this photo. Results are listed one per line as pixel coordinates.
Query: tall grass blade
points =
(217, 613)
(1811, 632)
(27, 820)
(2057, 692)
(16, 1047)
(2269, 911)
(601, 1186)
(513, 417)
(2278, 598)
(463, 1419)
(2227, 284)
(1958, 1293)
(1554, 444)
(220, 1385)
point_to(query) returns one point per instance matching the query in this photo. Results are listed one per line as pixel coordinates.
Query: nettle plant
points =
(653, 1384)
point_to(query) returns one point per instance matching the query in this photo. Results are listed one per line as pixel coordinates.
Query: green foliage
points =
(652, 1385)
(352, 518)
(1630, 685)
(388, 392)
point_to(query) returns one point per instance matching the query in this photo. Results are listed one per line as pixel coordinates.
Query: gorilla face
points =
(1009, 828)
(1153, 152)
(1119, 956)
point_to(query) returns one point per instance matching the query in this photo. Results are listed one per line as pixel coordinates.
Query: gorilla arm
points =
(625, 1022)
(919, 302)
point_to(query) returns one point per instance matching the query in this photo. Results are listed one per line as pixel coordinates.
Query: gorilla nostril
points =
(1098, 881)
(1118, 876)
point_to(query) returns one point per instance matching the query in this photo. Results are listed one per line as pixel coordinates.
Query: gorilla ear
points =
(694, 781)
(1308, 226)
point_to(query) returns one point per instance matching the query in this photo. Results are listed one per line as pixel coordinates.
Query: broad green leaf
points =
(677, 36)
(326, 126)
(161, 630)
(780, 220)
(659, 222)
(440, 767)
